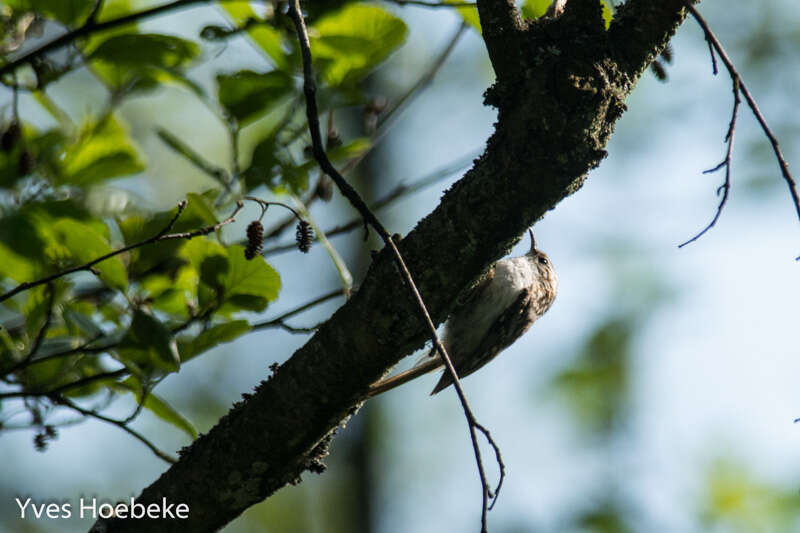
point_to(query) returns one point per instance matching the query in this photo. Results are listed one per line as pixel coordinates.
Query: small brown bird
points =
(494, 314)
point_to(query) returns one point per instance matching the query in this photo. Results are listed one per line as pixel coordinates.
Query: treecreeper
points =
(496, 312)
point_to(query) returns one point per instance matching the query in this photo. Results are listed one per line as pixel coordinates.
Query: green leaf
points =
(209, 262)
(469, 14)
(103, 151)
(351, 42)
(214, 336)
(139, 50)
(262, 164)
(292, 178)
(253, 278)
(15, 266)
(80, 320)
(246, 94)
(224, 275)
(167, 413)
(85, 244)
(68, 12)
(354, 148)
(142, 61)
(200, 209)
(149, 335)
(266, 38)
(159, 407)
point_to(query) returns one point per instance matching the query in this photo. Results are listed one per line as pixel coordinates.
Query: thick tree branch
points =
(553, 125)
(501, 25)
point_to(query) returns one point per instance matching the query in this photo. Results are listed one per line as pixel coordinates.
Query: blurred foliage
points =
(123, 325)
(737, 500)
(595, 386)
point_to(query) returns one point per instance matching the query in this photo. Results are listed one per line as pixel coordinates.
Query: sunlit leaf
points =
(468, 14)
(103, 151)
(15, 266)
(85, 244)
(266, 38)
(351, 42)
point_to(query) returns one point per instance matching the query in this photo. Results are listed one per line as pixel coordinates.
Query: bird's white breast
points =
(511, 276)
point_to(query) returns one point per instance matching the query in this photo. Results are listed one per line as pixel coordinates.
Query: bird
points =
(490, 317)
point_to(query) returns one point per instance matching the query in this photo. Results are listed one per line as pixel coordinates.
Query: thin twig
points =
(737, 79)
(61, 400)
(400, 191)
(423, 82)
(725, 188)
(90, 27)
(309, 89)
(66, 387)
(385, 125)
(217, 173)
(163, 235)
(279, 320)
(276, 322)
(42, 333)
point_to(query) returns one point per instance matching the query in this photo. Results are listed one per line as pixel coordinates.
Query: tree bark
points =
(561, 85)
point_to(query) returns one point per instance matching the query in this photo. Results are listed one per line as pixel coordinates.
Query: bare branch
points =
(37, 343)
(67, 387)
(61, 400)
(725, 188)
(738, 85)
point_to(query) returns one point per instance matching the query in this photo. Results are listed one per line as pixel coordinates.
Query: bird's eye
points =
(543, 260)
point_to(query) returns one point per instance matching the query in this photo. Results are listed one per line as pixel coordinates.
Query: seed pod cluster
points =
(305, 236)
(255, 238)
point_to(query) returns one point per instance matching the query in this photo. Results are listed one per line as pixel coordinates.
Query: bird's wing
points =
(511, 323)
(465, 299)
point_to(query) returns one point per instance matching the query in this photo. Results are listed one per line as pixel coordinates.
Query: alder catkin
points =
(255, 238)
(305, 236)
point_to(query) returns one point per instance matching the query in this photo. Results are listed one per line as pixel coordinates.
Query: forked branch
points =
(739, 87)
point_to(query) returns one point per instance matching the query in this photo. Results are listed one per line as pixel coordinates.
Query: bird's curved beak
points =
(533, 241)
